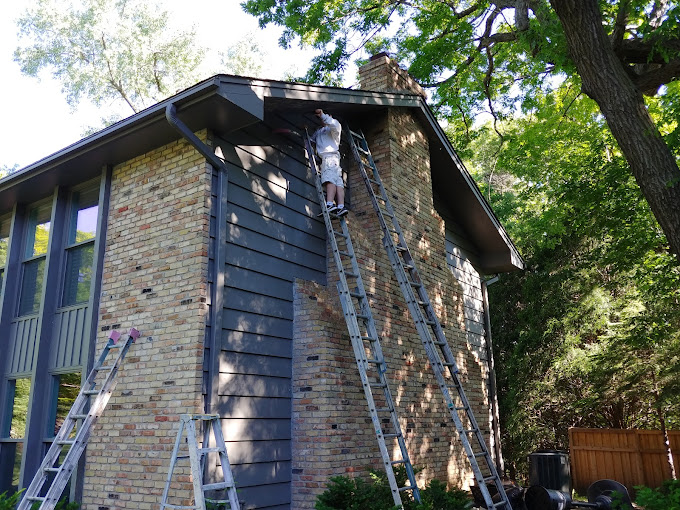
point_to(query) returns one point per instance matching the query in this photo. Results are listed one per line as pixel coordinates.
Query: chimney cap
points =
(379, 55)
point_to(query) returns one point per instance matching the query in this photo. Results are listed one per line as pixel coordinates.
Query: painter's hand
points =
(319, 112)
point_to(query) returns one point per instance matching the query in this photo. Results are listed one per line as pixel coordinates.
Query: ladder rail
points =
(426, 322)
(359, 347)
(78, 443)
(197, 457)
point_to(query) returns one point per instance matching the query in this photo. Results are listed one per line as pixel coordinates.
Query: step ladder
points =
(71, 445)
(197, 461)
(365, 338)
(429, 329)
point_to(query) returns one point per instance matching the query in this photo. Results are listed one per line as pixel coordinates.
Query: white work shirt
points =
(327, 138)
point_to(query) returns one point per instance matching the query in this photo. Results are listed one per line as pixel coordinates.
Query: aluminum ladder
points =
(429, 328)
(372, 370)
(197, 457)
(85, 409)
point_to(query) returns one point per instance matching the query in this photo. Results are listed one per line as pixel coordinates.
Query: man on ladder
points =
(327, 141)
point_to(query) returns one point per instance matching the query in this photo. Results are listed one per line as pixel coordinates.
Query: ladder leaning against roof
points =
(429, 329)
(364, 336)
(72, 442)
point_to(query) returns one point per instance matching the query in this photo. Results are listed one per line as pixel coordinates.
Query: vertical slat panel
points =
(631, 457)
(68, 336)
(22, 339)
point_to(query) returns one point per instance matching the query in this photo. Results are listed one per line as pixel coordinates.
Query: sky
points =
(37, 121)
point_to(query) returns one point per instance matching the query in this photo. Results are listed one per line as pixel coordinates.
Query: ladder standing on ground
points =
(429, 329)
(197, 457)
(365, 338)
(74, 446)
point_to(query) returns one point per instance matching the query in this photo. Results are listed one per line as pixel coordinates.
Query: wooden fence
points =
(631, 457)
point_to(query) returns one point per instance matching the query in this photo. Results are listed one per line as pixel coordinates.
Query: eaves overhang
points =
(227, 103)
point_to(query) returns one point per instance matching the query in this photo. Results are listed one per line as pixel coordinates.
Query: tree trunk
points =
(666, 443)
(605, 80)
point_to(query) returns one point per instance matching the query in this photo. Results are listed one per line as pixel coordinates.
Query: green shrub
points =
(8, 502)
(345, 493)
(666, 497)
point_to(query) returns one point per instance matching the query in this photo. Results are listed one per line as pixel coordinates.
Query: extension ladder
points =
(371, 370)
(429, 328)
(75, 445)
(197, 457)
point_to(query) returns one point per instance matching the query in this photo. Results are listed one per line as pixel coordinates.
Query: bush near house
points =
(666, 497)
(345, 493)
(8, 502)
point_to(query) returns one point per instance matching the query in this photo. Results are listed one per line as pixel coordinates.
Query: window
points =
(37, 239)
(80, 249)
(19, 392)
(66, 389)
(4, 245)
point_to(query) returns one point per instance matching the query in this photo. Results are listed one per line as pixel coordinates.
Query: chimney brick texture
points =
(382, 74)
(332, 430)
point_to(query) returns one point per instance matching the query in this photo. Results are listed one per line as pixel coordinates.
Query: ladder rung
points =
(363, 316)
(339, 234)
(356, 294)
(416, 284)
(377, 385)
(51, 470)
(391, 435)
(65, 442)
(376, 361)
(397, 462)
(344, 253)
(102, 367)
(406, 488)
(90, 392)
(430, 323)
(217, 486)
(480, 454)
(35, 498)
(373, 181)
(210, 449)
(351, 275)
(400, 248)
(388, 214)
(78, 416)
(383, 409)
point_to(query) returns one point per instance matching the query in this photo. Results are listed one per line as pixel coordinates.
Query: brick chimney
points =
(382, 74)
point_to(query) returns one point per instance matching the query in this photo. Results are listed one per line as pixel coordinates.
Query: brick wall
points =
(332, 430)
(154, 279)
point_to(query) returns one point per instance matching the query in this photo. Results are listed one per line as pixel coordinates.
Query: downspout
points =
(493, 396)
(216, 292)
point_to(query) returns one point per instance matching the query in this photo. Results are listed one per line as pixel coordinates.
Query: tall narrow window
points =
(35, 252)
(4, 245)
(12, 444)
(80, 249)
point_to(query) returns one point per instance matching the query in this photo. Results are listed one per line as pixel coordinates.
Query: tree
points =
(108, 51)
(503, 53)
(588, 335)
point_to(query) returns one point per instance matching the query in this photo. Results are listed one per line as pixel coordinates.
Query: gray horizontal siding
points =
(272, 237)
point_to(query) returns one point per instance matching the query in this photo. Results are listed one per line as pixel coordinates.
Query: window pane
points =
(38, 231)
(22, 388)
(78, 274)
(84, 211)
(69, 387)
(31, 286)
(4, 240)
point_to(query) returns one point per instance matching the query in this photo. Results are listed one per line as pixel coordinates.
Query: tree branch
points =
(649, 82)
(620, 24)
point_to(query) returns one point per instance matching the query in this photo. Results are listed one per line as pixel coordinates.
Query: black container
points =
(539, 498)
(550, 469)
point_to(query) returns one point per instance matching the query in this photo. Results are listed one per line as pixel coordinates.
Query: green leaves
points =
(107, 50)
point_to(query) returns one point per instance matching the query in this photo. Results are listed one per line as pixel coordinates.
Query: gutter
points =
(216, 297)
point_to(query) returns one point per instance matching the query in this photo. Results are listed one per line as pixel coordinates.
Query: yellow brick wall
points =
(332, 431)
(154, 279)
